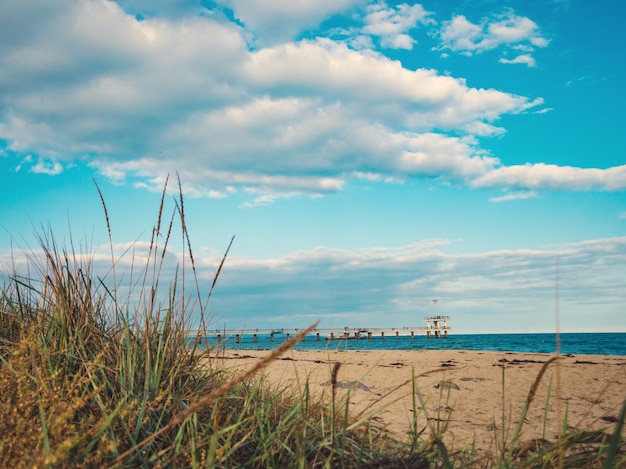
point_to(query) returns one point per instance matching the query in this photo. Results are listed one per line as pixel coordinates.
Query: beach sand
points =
(469, 389)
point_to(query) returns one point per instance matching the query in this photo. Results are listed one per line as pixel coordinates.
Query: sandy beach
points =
(469, 389)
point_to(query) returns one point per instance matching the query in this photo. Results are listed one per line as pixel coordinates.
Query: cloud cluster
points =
(516, 34)
(350, 288)
(495, 291)
(392, 26)
(507, 290)
(549, 176)
(237, 105)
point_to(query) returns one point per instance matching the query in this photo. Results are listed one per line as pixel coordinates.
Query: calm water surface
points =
(574, 343)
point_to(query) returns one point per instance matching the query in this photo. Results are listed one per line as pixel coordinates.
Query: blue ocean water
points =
(571, 343)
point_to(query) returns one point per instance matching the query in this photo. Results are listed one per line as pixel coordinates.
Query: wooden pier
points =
(436, 326)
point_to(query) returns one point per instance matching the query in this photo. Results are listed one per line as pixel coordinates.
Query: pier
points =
(436, 327)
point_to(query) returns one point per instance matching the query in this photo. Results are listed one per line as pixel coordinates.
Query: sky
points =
(367, 156)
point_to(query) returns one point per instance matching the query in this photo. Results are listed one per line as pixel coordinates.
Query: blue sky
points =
(367, 156)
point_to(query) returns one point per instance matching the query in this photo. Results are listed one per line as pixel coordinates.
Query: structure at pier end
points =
(435, 325)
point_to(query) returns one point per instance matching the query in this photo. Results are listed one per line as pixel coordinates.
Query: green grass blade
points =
(616, 439)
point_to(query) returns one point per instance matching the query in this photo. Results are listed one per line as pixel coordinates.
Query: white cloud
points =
(546, 176)
(526, 59)
(268, 197)
(544, 110)
(519, 195)
(434, 155)
(538, 41)
(522, 48)
(391, 284)
(483, 129)
(333, 72)
(460, 35)
(506, 30)
(90, 82)
(398, 41)
(392, 24)
(49, 167)
(279, 21)
(360, 42)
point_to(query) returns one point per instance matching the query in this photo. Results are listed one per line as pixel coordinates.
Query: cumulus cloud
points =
(358, 286)
(49, 167)
(546, 176)
(279, 21)
(391, 25)
(90, 82)
(368, 286)
(506, 30)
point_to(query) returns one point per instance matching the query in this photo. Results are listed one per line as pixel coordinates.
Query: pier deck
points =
(347, 333)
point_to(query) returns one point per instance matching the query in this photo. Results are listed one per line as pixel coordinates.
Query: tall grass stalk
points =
(557, 314)
(529, 399)
(435, 435)
(615, 442)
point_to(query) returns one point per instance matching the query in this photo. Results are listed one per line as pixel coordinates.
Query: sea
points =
(606, 343)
